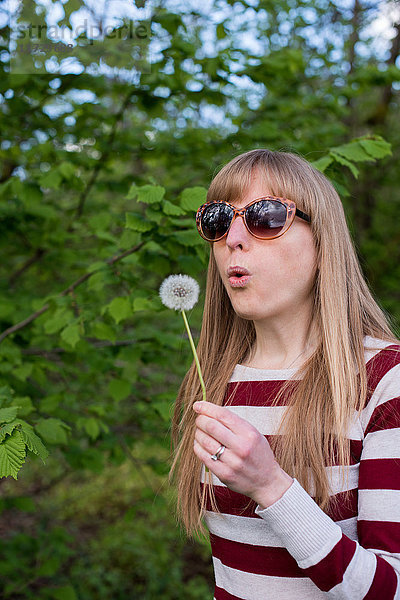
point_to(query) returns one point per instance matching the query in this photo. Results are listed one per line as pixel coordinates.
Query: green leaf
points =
(52, 430)
(33, 441)
(61, 317)
(51, 179)
(65, 592)
(23, 371)
(49, 404)
(43, 211)
(377, 147)
(8, 428)
(341, 189)
(98, 281)
(352, 152)
(100, 222)
(25, 405)
(67, 169)
(152, 246)
(8, 414)
(6, 188)
(322, 163)
(48, 567)
(7, 308)
(150, 194)
(187, 238)
(132, 192)
(108, 237)
(10, 352)
(96, 266)
(71, 334)
(343, 161)
(119, 389)
(221, 33)
(30, 194)
(120, 309)
(102, 331)
(129, 238)
(164, 409)
(6, 393)
(92, 427)
(154, 214)
(98, 410)
(12, 455)
(137, 222)
(192, 198)
(142, 304)
(171, 209)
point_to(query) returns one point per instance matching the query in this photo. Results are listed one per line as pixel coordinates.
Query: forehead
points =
(258, 186)
(239, 185)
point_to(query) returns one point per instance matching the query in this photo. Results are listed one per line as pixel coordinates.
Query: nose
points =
(238, 236)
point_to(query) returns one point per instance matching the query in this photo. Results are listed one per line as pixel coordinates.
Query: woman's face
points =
(282, 270)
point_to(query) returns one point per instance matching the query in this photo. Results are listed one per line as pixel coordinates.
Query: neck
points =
(282, 346)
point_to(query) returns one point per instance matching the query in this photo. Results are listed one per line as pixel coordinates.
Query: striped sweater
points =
(293, 550)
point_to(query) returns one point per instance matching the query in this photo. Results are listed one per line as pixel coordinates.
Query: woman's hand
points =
(247, 465)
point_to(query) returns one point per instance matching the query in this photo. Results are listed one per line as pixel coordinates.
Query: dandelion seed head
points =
(179, 292)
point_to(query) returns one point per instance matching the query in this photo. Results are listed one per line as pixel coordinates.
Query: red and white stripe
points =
(293, 550)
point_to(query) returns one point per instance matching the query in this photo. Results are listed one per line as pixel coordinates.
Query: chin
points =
(244, 317)
(244, 314)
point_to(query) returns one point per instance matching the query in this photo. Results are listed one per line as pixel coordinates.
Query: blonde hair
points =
(333, 380)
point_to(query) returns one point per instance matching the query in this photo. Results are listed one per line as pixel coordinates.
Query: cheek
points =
(304, 267)
(296, 264)
(218, 256)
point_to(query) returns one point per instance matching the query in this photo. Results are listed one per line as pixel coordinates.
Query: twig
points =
(8, 169)
(136, 463)
(28, 263)
(104, 155)
(95, 343)
(67, 290)
(382, 107)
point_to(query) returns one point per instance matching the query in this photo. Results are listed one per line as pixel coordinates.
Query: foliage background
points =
(104, 160)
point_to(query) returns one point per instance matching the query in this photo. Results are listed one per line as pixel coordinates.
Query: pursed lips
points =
(237, 271)
(238, 276)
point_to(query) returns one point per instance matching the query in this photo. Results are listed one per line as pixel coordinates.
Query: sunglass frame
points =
(291, 212)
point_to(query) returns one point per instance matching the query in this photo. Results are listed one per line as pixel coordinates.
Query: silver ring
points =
(218, 453)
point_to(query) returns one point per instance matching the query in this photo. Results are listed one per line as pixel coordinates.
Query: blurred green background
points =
(114, 118)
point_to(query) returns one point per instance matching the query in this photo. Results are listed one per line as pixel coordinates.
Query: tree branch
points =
(380, 114)
(354, 37)
(67, 290)
(54, 352)
(28, 263)
(355, 34)
(104, 155)
(136, 463)
(8, 169)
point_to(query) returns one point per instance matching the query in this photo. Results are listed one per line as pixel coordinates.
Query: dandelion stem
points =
(196, 358)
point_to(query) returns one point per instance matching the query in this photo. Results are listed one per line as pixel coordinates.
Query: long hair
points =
(333, 381)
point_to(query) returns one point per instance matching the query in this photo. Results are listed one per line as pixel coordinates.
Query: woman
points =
(300, 439)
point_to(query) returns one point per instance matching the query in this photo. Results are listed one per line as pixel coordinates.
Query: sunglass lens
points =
(215, 220)
(266, 218)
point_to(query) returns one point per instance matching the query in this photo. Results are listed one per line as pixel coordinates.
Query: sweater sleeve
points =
(343, 568)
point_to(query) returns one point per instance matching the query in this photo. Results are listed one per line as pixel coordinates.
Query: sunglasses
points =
(265, 218)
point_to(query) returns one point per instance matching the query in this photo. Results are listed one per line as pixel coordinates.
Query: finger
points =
(208, 443)
(216, 430)
(215, 466)
(222, 414)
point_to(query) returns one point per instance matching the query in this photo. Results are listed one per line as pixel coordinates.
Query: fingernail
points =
(197, 405)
